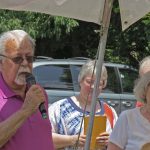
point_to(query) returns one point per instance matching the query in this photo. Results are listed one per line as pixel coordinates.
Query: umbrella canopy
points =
(86, 10)
(132, 11)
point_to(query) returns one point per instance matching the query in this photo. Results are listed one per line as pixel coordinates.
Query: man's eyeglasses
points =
(19, 59)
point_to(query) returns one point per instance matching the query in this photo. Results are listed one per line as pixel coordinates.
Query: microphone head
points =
(30, 79)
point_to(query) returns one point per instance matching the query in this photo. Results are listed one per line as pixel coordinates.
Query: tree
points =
(37, 24)
(61, 37)
(131, 45)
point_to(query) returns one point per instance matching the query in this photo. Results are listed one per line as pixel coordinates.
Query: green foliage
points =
(61, 37)
(36, 24)
(130, 46)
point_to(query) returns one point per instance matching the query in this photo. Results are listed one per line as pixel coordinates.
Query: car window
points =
(128, 77)
(75, 69)
(112, 81)
(54, 76)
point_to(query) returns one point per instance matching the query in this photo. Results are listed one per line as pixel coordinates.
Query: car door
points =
(75, 69)
(111, 94)
(128, 77)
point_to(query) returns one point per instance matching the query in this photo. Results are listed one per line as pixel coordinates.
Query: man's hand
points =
(34, 97)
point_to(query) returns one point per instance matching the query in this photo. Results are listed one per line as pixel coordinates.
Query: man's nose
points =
(25, 61)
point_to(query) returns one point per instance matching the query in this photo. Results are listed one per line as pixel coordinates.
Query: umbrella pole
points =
(101, 49)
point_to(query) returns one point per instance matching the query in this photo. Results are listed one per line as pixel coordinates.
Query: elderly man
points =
(21, 124)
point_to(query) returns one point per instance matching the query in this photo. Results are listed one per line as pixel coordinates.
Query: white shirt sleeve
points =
(119, 134)
(54, 116)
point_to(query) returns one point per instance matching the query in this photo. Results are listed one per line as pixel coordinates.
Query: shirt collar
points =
(5, 88)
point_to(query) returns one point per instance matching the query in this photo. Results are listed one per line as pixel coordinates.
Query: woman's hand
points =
(102, 140)
(81, 141)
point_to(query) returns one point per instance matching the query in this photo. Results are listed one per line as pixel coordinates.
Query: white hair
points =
(87, 69)
(141, 86)
(17, 35)
(144, 63)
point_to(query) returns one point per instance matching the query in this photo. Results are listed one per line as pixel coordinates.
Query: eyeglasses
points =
(19, 59)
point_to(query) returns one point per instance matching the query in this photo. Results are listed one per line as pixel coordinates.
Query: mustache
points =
(24, 71)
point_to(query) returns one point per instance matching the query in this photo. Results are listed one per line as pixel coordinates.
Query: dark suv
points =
(59, 77)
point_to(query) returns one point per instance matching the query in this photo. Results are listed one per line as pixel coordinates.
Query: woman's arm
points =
(61, 141)
(112, 146)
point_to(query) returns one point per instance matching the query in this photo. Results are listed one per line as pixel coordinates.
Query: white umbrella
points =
(97, 11)
(87, 10)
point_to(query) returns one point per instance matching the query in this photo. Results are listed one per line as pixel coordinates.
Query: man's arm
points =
(34, 97)
(9, 127)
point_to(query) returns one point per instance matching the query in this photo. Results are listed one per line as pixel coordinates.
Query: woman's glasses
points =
(19, 59)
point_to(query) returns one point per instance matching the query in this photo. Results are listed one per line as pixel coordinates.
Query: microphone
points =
(30, 80)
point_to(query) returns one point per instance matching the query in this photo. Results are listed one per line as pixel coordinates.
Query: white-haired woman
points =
(144, 66)
(132, 130)
(66, 114)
